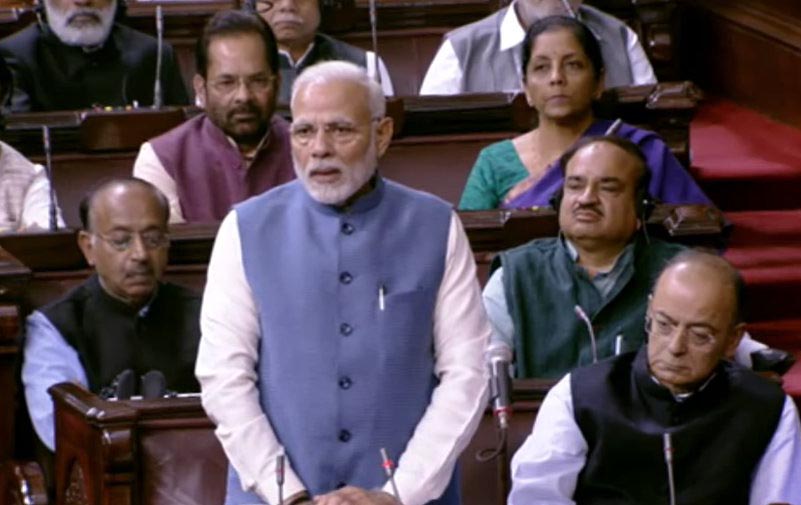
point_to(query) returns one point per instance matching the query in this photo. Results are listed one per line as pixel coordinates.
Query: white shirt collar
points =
(292, 62)
(512, 32)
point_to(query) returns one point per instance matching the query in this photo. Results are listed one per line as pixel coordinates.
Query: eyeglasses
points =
(122, 242)
(341, 132)
(664, 329)
(254, 84)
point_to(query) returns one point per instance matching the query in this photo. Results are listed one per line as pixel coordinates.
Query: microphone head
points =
(124, 384)
(154, 385)
(498, 351)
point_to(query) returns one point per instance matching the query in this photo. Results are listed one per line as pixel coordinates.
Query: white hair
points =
(329, 71)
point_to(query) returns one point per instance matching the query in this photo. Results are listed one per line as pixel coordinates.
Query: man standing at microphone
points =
(672, 423)
(342, 316)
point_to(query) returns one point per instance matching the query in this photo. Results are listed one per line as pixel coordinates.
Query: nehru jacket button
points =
(340, 485)
(345, 329)
(345, 383)
(345, 278)
(347, 228)
(344, 436)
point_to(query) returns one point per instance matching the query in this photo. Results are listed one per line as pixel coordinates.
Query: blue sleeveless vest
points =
(346, 301)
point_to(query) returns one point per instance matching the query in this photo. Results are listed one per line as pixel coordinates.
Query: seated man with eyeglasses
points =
(237, 148)
(674, 422)
(123, 317)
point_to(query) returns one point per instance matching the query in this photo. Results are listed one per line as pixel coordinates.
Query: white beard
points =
(353, 178)
(85, 34)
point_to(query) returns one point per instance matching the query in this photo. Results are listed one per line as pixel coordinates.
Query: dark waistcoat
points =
(718, 434)
(110, 336)
(210, 173)
(543, 284)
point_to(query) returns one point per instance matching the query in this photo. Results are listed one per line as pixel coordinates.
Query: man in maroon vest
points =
(237, 148)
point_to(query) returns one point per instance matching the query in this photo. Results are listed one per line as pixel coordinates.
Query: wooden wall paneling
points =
(748, 51)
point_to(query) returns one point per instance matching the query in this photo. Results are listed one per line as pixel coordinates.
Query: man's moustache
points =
(591, 208)
(84, 13)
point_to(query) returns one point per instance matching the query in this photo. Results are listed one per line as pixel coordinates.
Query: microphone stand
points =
(374, 36)
(389, 469)
(668, 447)
(49, 174)
(158, 100)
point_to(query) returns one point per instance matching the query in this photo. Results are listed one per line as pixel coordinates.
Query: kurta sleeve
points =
(546, 467)
(148, 167)
(444, 74)
(48, 360)
(778, 477)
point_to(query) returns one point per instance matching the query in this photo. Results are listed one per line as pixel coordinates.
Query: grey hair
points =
(328, 71)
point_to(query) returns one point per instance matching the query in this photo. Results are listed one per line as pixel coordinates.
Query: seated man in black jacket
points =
(123, 317)
(78, 57)
(295, 24)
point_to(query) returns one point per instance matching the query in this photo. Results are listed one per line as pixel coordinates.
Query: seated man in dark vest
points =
(300, 45)
(674, 422)
(342, 316)
(236, 149)
(484, 56)
(77, 57)
(123, 317)
(602, 263)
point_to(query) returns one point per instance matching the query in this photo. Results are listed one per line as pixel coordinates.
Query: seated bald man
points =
(732, 436)
(123, 317)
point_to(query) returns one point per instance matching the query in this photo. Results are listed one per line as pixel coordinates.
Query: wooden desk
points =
(164, 452)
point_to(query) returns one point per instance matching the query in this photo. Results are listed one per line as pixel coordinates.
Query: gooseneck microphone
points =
(153, 385)
(158, 99)
(614, 127)
(124, 385)
(667, 445)
(374, 36)
(53, 213)
(499, 358)
(279, 477)
(583, 316)
(389, 469)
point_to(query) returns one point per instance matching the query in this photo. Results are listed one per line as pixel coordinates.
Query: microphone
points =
(279, 476)
(158, 100)
(583, 316)
(618, 344)
(374, 36)
(154, 385)
(668, 448)
(498, 357)
(124, 385)
(49, 173)
(614, 127)
(389, 469)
